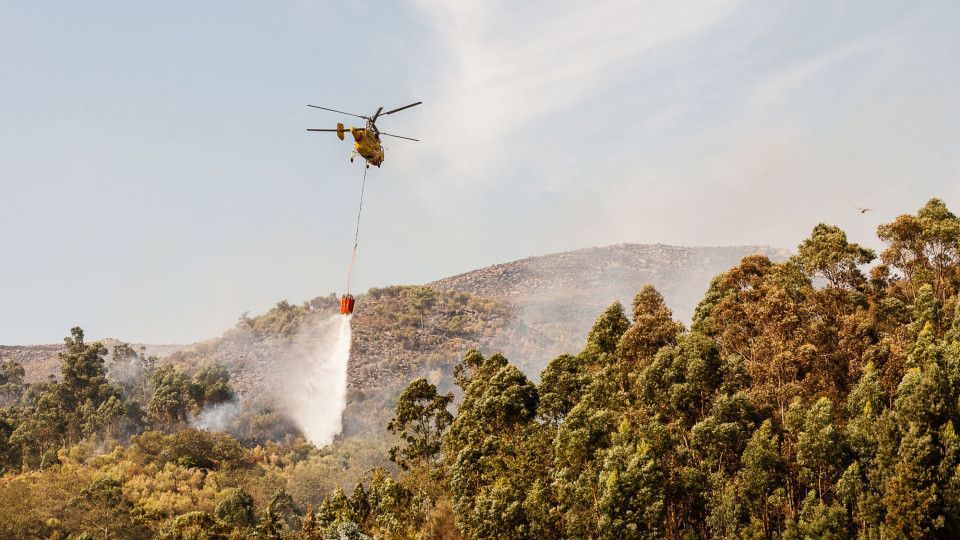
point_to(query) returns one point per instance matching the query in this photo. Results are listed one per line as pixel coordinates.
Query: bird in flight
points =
(863, 210)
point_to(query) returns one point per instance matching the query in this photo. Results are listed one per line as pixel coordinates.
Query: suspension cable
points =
(356, 236)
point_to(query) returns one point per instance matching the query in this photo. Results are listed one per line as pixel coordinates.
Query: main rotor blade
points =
(399, 137)
(402, 108)
(334, 110)
(374, 119)
(345, 130)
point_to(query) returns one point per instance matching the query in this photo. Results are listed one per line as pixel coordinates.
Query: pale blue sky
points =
(156, 178)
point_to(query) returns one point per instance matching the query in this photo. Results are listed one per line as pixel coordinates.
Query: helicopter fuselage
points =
(368, 145)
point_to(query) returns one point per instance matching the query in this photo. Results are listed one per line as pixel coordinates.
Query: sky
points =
(157, 179)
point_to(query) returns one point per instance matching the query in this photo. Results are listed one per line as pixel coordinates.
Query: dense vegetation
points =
(807, 400)
(119, 456)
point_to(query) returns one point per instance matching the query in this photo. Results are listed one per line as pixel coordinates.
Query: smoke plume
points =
(220, 417)
(315, 382)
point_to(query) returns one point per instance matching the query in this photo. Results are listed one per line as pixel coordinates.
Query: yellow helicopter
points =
(366, 139)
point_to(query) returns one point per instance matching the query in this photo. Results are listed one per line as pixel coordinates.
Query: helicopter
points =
(366, 139)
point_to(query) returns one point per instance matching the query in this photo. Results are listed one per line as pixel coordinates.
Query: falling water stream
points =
(315, 388)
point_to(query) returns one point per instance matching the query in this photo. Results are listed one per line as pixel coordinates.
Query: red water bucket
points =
(346, 304)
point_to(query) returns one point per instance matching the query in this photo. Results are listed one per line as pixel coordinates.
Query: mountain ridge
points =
(573, 287)
(555, 297)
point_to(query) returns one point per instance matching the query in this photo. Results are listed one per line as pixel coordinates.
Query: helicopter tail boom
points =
(339, 131)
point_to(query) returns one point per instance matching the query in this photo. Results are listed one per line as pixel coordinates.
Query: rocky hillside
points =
(566, 291)
(530, 310)
(40, 361)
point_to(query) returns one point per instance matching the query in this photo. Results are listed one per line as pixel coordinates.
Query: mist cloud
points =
(313, 386)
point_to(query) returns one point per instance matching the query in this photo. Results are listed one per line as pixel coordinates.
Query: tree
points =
(211, 386)
(819, 519)
(562, 384)
(84, 390)
(632, 500)
(11, 383)
(171, 396)
(421, 419)
(205, 449)
(925, 248)
(344, 530)
(579, 446)
(721, 437)
(606, 333)
(9, 453)
(921, 453)
(653, 327)
(275, 523)
(102, 508)
(236, 509)
(197, 526)
(761, 479)
(761, 315)
(41, 432)
(828, 254)
(312, 528)
(359, 504)
(421, 298)
(860, 487)
(496, 451)
(818, 449)
(928, 310)
(132, 370)
(394, 511)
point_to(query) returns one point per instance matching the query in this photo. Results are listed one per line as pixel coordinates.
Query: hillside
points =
(396, 337)
(542, 306)
(562, 293)
(40, 361)
(393, 342)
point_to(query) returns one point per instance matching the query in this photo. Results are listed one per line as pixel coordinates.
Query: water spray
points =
(315, 382)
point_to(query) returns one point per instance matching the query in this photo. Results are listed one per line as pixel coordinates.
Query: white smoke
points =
(217, 418)
(315, 382)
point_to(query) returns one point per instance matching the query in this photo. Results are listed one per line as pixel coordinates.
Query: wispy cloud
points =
(791, 78)
(513, 63)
